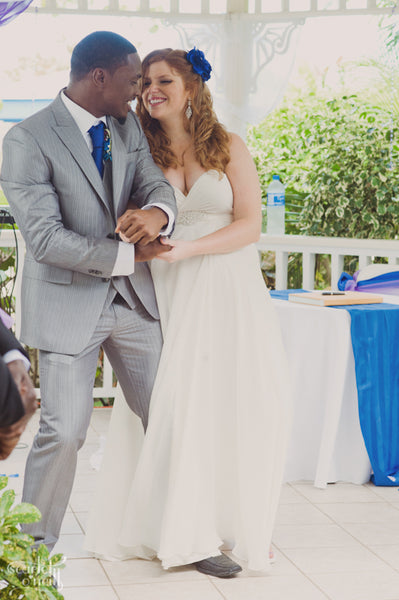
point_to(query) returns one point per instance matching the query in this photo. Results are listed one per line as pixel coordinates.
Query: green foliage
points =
(338, 159)
(25, 572)
(389, 26)
(7, 277)
(377, 82)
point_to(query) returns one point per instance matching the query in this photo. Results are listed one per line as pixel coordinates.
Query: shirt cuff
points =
(16, 355)
(167, 230)
(124, 264)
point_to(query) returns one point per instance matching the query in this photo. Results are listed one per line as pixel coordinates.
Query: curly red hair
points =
(211, 140)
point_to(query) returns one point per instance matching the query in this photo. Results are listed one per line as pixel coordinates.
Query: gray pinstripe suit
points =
(64, 212)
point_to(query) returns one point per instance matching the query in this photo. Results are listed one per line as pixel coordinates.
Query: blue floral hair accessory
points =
(199, 63)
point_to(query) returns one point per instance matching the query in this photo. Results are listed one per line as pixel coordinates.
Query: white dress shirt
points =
(16, 355)
(124, 264)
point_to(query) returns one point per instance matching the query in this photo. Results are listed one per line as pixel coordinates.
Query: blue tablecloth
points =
(375, 342)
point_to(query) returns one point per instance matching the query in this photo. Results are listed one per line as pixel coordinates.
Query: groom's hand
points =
(10, 436)
(144, 252)
(24, 384)
(141, 226)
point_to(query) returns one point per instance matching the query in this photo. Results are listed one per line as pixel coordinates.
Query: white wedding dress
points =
(208, 473)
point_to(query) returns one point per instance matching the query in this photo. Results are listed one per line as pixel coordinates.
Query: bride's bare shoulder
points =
(238, 149)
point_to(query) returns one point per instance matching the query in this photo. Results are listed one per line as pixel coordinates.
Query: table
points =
(326, 443)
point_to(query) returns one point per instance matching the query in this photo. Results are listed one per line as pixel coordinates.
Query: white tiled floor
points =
(341, 543)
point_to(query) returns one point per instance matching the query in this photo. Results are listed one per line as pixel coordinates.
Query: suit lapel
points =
(68, 132)
(118, 151)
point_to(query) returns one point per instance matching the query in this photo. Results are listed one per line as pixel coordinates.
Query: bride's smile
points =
(164, 94)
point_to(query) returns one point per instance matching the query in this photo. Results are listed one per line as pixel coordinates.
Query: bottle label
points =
(275, 199)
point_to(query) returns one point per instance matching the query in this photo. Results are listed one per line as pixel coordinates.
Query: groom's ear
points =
(98, 76)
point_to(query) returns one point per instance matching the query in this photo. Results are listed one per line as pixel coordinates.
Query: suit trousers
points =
(132, 340)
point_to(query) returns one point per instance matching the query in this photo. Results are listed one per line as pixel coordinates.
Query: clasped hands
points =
(9, 436)
(141, 228)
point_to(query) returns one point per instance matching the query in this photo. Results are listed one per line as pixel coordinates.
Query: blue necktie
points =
(97, 137)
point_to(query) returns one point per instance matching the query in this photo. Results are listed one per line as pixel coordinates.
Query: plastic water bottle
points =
(276, 207)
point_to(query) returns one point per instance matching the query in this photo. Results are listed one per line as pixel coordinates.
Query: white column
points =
(281, 270)
(337, 266)
(308, 270)
(364, 261)
(235, 72)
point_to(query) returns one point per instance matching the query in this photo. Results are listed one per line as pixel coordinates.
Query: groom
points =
(82, 287)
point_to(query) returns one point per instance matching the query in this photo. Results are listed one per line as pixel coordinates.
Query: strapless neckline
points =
(195, 183)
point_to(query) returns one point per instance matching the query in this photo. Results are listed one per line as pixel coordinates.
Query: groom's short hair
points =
(101, 49)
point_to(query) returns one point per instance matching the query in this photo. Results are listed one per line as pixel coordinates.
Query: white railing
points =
(283, 246)
(203, 10)
(337, 248)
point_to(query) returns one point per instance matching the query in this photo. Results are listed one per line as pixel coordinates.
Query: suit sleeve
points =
(11, 407)
(8, 341)
(26, 178)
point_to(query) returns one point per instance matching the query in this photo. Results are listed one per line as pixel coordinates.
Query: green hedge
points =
(339, 161)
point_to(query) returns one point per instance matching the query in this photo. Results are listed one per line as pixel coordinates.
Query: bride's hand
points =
(180, 249)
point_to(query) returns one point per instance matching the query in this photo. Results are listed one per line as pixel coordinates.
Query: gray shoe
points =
(218, 566)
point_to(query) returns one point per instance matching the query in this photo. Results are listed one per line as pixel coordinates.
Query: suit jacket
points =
(11, 408)
(59, 202)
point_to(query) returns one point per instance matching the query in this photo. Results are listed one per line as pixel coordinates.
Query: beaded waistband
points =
(191, 217)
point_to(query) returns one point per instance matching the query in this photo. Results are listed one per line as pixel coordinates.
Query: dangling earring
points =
(189, 110)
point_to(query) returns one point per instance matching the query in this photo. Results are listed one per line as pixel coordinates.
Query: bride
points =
(207, 474)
